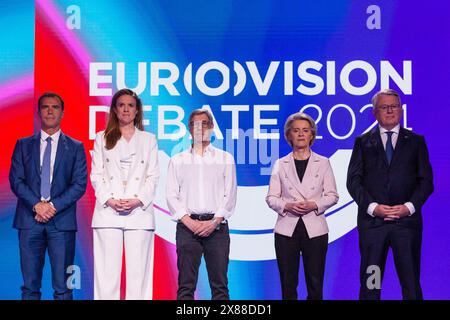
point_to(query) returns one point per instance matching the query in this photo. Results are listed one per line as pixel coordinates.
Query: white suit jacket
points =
(141, 184)
(318, 185)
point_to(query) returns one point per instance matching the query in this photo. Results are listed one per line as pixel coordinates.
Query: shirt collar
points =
(396, 129)
(209, 150)
(55, 136)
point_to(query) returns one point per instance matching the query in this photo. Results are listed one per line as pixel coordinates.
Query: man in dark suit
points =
(390, 178)
(48, 175)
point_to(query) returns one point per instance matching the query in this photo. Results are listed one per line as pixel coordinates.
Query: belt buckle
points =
(209, 216)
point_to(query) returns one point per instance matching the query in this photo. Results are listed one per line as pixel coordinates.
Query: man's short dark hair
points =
(50, 95)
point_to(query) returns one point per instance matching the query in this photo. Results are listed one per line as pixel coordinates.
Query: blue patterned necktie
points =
(45, 170)
(389, 147)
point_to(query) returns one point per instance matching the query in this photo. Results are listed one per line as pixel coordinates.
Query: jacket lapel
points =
(311, 170)
(375, 140)
(62, 145)
(113, 155)
(403, 138)
(291, 174)
(138, 147)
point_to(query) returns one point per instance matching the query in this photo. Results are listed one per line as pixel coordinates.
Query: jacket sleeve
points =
(17, 179)
(273, 198)
(98, 177)
(355, 178)
(329, 196)
(147, 193)
(424, 186)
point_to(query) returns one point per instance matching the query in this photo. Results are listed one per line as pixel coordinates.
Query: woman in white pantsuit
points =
(124, 175)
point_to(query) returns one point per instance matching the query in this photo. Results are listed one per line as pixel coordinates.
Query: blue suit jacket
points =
(68, 183)
(409, 177)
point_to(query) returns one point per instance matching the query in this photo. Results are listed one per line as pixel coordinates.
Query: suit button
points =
(312, 188)
(142, 161)
(135, 195)
(317, 175)
(107, 160)
(111, 178)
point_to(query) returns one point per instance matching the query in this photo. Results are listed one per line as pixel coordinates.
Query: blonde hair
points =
(299, 116)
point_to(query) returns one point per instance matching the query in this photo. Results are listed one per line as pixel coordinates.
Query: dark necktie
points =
(389, 147)
(45, 171)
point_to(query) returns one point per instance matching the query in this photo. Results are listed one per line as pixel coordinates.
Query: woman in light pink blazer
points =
(302, 187)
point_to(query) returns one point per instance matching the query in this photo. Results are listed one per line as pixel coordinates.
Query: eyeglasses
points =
(385, 107)
(203, 124)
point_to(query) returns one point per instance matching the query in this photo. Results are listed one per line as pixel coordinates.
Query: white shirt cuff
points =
(371, 209)
(410, 207)
(223, 213)
(180, 214)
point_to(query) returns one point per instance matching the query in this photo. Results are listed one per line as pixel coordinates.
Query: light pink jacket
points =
(318, 185)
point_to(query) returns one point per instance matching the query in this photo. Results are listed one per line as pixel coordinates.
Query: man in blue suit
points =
(390, 178)
(48, 175)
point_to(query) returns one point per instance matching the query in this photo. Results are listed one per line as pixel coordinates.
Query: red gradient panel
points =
(56, 70)
(17, 122)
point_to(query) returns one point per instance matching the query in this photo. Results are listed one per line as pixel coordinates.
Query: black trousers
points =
(314, 252)
(374, 244)
(190, 248)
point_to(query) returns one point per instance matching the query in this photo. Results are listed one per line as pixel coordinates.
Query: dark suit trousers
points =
(406, 244)
(314, 252)
(190, 248)
(33, 244)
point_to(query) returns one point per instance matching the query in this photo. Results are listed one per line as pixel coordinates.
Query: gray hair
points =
(386, 92)
(197, 112)
(299, 116)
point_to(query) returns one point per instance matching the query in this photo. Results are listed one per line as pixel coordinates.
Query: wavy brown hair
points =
(112, 132)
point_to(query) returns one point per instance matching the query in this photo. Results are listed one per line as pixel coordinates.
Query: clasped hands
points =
(44, 211)
(391, 213)
(124, 205)
(201, 228)
(300, 208)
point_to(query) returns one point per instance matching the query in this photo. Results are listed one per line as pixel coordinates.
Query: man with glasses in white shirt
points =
(201, 194)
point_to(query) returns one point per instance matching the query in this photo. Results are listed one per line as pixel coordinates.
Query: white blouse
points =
(127, 153)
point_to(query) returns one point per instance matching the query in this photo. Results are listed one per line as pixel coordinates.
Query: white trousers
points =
(108, 248)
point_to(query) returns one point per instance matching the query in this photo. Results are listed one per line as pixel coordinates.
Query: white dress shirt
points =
(394, 138)
(54, 144)
(202, 183)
